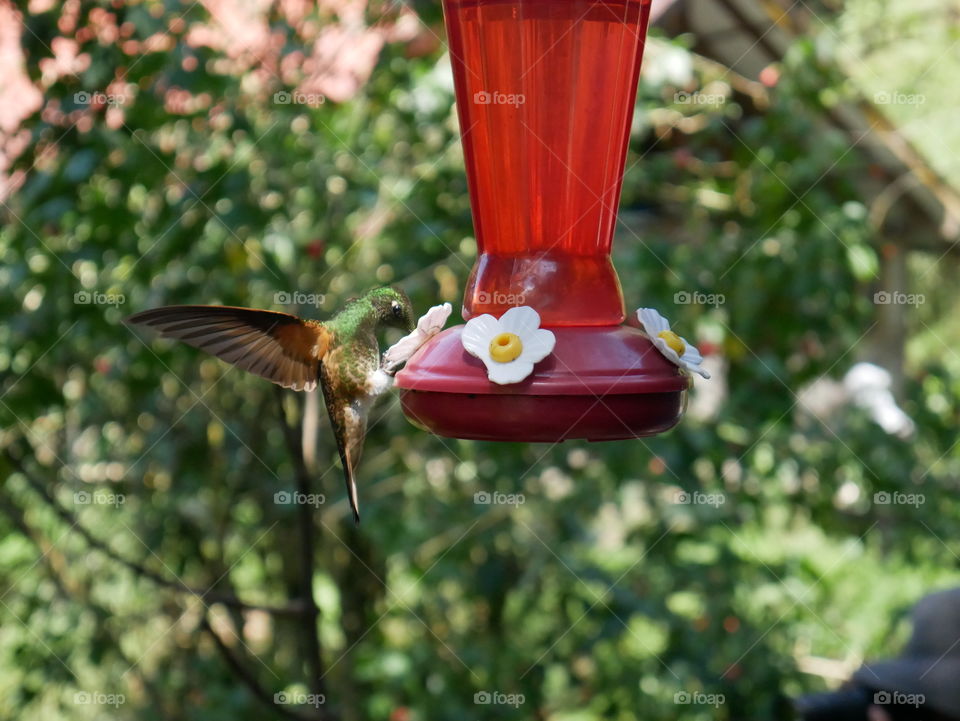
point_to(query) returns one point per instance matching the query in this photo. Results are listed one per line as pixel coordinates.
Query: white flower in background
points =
(675, 348)
(868, 386)
(509, 346)
(429, 325)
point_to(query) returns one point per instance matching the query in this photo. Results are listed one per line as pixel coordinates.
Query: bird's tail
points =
(349, 479)
(348, 448)
(352, 495)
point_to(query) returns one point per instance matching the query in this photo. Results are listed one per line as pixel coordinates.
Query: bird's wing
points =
(348, 413)
(277, 346)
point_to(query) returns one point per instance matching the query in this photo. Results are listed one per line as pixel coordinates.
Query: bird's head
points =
(393, 308)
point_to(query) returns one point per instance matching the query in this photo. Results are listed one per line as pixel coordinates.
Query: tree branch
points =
(308, 618)
(56, 565)
(250, 680)
(207, 595)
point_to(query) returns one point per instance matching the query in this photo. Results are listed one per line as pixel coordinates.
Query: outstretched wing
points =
(277, 346)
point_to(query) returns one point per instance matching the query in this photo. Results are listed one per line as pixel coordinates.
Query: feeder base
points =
(601, 383)
(542, 419)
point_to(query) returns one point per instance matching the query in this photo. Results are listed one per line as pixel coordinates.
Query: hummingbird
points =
(341, 354)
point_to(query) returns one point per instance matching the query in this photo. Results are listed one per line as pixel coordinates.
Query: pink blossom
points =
(18, 97)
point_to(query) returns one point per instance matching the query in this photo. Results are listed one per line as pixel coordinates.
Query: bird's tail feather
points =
(352, 495)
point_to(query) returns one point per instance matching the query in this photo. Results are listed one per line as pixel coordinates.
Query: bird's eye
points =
(397, 309)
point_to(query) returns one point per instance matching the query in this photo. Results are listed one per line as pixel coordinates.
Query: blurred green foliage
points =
(600, 597)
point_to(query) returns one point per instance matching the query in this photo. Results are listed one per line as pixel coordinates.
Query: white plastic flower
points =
(675, 348)
(429, 325)
(509, 346)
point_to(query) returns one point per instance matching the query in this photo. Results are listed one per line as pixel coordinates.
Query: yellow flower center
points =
(505, 347)
(673, 341)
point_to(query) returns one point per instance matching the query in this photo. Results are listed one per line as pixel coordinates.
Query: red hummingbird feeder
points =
(545, 94)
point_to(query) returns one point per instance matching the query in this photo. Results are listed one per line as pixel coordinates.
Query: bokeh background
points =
(790, 203)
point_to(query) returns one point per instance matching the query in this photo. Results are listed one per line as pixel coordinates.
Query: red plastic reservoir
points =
(545, 94)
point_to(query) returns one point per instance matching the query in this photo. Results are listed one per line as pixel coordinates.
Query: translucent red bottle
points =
(545, 93)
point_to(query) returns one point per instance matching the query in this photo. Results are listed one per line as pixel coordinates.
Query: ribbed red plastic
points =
(545, 95)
